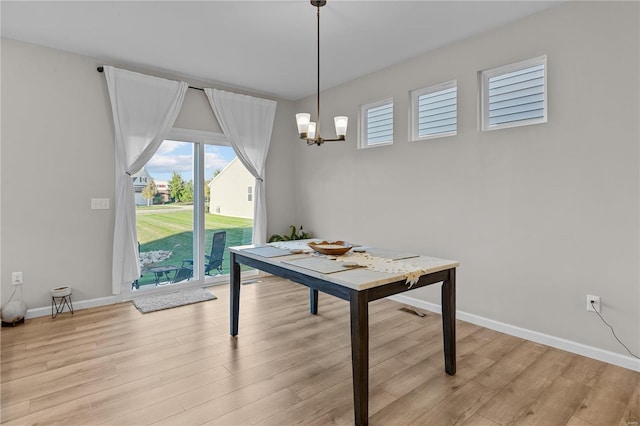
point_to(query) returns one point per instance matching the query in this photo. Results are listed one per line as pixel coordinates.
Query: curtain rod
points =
(101, 69)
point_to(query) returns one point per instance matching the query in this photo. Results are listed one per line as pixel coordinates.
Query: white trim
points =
(199, 136)
(198, 211)
(77, 305)
(620, 360)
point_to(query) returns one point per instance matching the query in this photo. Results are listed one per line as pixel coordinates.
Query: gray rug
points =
(171, 300)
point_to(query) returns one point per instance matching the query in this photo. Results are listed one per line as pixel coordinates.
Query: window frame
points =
(483, 83)
(363, 136)
(414, 119)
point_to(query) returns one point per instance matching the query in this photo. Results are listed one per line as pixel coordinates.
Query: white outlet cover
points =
(100, 204)
(596, 303)
(16, 278)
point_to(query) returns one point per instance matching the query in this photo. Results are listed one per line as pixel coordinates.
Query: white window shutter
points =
(380, 124)
(517, 96)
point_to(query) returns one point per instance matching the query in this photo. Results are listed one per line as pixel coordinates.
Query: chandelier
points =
(310, 130)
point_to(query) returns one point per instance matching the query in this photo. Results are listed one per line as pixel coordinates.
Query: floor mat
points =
(171, 300)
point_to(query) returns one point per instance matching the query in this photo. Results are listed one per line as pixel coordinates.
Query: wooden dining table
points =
(358, 284)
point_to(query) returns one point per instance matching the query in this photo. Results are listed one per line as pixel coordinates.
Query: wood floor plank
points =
(509, 365)
(478, 420)
(460, 406)
(556, 405)
(230, 401)
(343, 414)
(632, 412)
(515, 398)
(13, 411)
(314, 407)
(113, 365)
(258, 410)
(584, 370)
(297, 365)
(150, 414)
(608, 398)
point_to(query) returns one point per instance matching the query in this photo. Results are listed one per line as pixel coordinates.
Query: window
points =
(177, 218)
(514, 95)
(434, 111)
(249, 193)
(376, 124)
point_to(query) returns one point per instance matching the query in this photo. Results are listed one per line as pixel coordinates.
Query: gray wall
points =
(57, 154)
(539, 216)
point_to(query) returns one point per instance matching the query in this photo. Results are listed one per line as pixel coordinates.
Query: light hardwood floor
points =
(113, 365)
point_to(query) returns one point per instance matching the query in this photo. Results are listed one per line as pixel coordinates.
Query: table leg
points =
(235, 294)
(449, 322)
(313, 301)
(360, 355)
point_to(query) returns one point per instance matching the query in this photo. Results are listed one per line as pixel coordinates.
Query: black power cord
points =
(614, 333)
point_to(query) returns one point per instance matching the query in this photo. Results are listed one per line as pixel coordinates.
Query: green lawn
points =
(173, 231)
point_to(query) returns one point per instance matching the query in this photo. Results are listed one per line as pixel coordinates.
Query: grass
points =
(172, 230)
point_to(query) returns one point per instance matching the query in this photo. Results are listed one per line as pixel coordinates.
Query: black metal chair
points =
(136, 284)
(214, 259)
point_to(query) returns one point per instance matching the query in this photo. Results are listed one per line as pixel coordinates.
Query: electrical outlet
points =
(596, 303)
(16, 278)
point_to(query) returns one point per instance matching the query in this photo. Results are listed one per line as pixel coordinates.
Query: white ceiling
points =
(263, 46)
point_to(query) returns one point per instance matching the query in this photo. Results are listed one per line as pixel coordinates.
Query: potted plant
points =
(295, 234)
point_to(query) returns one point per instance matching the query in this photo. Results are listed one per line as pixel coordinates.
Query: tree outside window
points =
(149, 191)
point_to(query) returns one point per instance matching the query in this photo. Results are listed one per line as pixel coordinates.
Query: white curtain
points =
(144, 110)
(247, 123)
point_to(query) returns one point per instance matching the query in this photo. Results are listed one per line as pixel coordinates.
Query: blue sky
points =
(178, 156)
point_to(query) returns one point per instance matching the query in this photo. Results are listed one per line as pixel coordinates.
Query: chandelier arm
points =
(338, 139)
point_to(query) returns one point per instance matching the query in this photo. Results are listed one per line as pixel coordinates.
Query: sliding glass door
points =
(193, 201)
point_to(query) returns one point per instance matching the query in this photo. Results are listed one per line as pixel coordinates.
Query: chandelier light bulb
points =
(302, 119)
(341, 125)
(311, 133)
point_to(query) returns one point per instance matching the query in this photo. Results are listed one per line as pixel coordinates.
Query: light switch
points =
(99, 204)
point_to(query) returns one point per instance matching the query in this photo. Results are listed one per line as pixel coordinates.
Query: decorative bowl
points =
(61, 291)
(333, 248)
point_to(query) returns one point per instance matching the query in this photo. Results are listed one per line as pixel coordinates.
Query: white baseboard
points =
(620, 360)
(80, 304)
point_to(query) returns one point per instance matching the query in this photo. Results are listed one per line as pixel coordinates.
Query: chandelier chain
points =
(318, 98)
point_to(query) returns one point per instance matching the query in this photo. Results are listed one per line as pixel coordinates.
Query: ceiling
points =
(266, 47)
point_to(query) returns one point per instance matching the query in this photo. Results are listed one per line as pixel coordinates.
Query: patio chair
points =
(213, 260)
(136, 284)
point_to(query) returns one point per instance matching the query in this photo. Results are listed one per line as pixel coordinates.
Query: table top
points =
(162, 269)
(382, 269)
